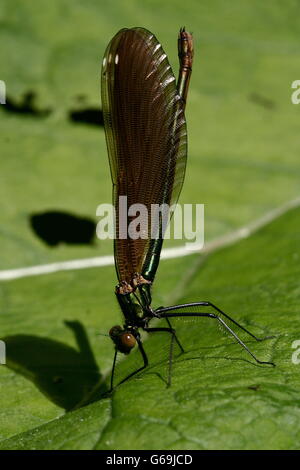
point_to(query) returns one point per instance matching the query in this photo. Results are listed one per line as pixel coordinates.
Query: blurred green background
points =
(243, 161)
(243, 154)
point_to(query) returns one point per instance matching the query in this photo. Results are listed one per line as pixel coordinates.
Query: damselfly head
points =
(124, 340)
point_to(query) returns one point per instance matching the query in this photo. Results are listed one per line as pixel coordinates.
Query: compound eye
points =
(115, 331)
(128, 340)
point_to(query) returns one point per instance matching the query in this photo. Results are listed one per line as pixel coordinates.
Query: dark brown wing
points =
(145, 133)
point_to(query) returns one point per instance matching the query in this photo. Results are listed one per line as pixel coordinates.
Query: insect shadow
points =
(91, 116)
(68, 377)
(27, 106)
(54, 227)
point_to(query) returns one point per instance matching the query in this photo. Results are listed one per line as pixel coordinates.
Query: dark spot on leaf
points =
(262, 101)
(27, 106)
(81, 98)
(55, 227)
(254, 387)
(91, 116)
(57, 380)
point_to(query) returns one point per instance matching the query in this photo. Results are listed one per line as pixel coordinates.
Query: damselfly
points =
(145, 127)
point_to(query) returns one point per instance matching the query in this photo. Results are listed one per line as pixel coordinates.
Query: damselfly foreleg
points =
(145, 359)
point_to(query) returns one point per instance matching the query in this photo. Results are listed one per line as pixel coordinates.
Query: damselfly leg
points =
(207, 304)
(171, 350)
(174, 311)
(145, 359)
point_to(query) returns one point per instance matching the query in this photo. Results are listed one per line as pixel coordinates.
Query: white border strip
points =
(177, 252)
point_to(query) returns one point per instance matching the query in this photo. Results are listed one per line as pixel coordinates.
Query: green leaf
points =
(246, 56)
(219, 398)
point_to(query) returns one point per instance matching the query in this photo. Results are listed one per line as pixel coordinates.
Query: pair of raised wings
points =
(146, 137)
